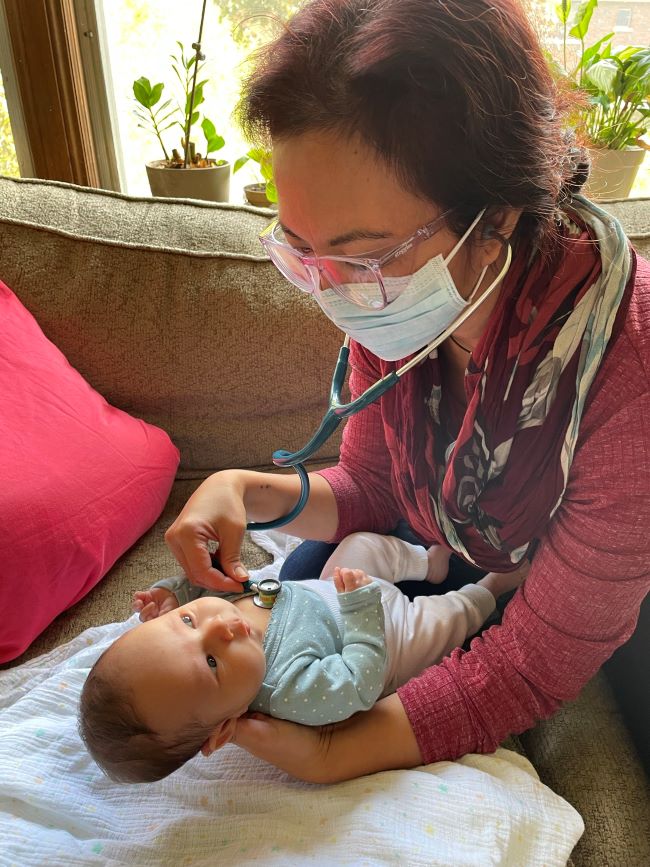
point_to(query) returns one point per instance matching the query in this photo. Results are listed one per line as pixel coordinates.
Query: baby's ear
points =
(219, 736)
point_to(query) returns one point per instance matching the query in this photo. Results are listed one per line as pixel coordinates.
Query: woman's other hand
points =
(380, 739)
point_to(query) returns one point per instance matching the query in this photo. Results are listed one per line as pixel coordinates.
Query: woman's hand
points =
(218, 511)
(214, 513)
(378, 740)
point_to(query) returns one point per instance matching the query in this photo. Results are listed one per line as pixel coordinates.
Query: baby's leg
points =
(384, 557)
(420, 633)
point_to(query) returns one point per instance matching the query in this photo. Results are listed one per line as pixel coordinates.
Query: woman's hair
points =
(455, 95)
(125, 748)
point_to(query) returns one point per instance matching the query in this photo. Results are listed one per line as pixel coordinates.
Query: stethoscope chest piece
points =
(266, 592)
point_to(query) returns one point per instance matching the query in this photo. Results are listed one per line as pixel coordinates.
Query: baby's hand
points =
(153, 603)
(346, 580)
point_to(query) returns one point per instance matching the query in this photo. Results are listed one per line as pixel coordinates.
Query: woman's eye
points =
(187, 619)
(212, 662)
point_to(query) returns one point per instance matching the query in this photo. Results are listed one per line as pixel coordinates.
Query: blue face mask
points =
(427, 303)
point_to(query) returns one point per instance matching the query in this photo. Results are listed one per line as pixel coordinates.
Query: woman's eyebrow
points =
(346, 237)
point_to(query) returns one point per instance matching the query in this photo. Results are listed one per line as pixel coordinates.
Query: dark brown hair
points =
(455, 95)
(125, 748)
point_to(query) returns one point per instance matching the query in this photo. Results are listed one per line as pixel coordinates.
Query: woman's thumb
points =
(231, 565)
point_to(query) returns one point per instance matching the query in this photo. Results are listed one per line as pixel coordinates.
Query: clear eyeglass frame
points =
(357, 279)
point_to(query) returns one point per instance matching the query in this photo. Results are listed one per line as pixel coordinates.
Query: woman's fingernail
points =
(240, 572)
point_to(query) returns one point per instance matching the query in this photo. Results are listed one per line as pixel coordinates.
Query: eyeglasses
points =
(358, 279)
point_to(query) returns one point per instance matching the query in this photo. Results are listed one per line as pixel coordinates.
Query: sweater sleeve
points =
(361, 481)
(579, 602)
(316, 691)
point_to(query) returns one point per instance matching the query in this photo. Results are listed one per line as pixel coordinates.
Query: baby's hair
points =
(126, 749)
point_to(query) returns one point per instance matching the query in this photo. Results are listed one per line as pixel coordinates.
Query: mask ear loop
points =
(489, 233)
(463, 238)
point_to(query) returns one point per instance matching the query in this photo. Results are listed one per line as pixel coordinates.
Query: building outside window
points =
(623, 20)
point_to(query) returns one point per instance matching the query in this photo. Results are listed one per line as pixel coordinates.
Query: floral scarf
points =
(492, 490)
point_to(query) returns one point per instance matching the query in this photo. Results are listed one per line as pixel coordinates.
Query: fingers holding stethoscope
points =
(214, 513)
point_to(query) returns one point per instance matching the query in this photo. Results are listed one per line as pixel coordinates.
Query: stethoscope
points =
(337, 411)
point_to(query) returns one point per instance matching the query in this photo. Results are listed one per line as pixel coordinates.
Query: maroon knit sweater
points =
(589, 575)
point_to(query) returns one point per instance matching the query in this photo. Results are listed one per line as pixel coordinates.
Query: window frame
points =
(56, 120)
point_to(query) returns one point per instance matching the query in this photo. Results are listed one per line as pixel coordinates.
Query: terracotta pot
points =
(256, 195)
(211, 184)
(612, 172)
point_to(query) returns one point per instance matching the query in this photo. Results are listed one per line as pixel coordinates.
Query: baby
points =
(328, 648)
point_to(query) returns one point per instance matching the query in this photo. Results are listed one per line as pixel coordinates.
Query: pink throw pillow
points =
(80, 481)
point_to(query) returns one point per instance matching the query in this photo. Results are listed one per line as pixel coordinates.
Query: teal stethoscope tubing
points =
(337, 411)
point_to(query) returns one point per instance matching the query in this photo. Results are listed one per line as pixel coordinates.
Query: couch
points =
(170, 310)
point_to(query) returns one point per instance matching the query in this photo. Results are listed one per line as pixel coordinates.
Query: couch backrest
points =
(173, 313)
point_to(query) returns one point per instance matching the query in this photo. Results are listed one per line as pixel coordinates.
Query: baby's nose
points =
(218, 628)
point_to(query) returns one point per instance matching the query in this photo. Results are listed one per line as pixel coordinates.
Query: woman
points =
(525, 435)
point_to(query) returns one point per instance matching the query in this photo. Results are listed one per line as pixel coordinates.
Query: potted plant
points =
(264, 193)
(190, 173)
(616, 86)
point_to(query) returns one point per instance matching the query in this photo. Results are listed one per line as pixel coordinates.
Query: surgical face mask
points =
(427, 303)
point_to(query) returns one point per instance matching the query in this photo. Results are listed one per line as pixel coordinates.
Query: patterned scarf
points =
(492, 491)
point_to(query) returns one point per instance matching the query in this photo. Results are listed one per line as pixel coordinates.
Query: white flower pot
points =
(212, 184)
(256, 195)
(612, 172)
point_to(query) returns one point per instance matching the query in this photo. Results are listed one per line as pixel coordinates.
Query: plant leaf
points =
(142, 91)
(156, 93)
(563, 10)
(239, 162)
(209, 129)
(583, 18)
(257, 154)
(271, 191)
(604, 75)
(592, 52)
(215, 143)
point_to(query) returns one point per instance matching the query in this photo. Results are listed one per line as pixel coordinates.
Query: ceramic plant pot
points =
(212, 184)
(256, 195)
(613, 172)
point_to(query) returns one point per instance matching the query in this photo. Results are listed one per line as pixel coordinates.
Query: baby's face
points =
(202, 661)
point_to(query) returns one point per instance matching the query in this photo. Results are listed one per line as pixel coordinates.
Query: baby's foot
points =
(347, 580)
(438, 558)
(153, 603)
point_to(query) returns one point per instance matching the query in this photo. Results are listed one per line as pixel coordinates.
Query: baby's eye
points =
(212, 662)
(187, 619)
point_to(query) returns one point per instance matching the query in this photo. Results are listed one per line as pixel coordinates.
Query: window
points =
(138, 38)
(623, 19)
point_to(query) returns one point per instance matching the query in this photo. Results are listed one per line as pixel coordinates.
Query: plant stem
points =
(197, 48)
(157, 131)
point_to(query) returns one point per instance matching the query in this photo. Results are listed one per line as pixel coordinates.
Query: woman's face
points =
(336, 197)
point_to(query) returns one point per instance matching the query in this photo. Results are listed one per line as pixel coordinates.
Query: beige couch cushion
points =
(173, 313)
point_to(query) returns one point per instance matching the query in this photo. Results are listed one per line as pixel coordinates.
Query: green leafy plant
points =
(615, 83)
(265, 167)
(158, 117)
(618, 84)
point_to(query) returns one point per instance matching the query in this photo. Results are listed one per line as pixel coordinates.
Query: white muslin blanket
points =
(57, 808)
